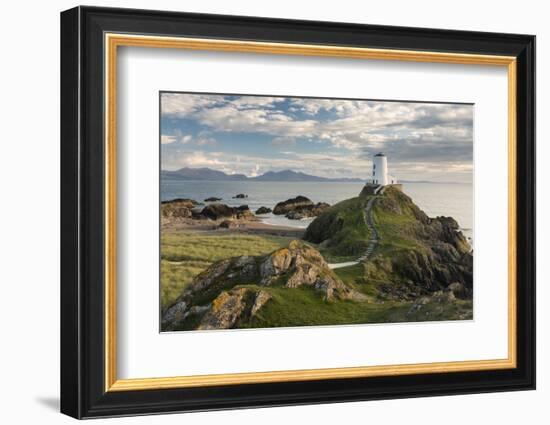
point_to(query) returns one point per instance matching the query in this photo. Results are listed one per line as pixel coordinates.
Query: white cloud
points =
(186, 139)
(165, 139)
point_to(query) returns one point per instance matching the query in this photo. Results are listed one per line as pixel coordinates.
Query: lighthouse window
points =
(374, 166)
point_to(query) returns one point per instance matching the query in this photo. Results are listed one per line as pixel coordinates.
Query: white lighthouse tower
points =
(380, 174)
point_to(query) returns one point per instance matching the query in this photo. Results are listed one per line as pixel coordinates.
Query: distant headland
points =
(208, 174)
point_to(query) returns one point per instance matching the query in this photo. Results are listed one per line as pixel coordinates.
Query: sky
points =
(325, 137)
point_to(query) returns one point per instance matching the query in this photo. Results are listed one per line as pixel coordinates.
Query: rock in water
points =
(240, 196)
(299, 208)
(229, 292)
(308, 211)
(263, 210)
(291, 204)
(212, 199)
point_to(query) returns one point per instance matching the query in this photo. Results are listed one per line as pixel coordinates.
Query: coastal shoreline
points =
(250, 226)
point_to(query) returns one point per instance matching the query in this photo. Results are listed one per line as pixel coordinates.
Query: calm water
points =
(455, 200)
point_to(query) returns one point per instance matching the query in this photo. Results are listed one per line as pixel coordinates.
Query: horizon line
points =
(313, 175)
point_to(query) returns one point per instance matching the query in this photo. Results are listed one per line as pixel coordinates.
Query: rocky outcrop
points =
(300, 213)
(226, 309)
(178, 208)
(299, 208)
(301, 265)
(460, 291)
(263, 210)
(415, 255)
(231, 291)
(212, 199)
(218, 211)
(285, 207)
(439, 305)
(240, 196)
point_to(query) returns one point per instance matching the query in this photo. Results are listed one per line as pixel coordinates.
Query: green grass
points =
(340, 233)
(396, 223)
(184, 255)
(304, 307)
(354, 276)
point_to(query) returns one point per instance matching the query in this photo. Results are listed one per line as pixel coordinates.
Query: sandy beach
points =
(249, 226)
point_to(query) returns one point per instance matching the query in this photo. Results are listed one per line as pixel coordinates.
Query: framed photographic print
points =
(261, 212)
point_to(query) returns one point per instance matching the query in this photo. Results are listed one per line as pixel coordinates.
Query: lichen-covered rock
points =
(226, 309)
(301, 265)
(232, 290)
(178, 208)
(262, 297)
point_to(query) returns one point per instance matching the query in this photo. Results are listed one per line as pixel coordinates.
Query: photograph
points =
(286, 211)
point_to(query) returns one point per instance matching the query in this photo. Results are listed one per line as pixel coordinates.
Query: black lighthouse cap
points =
(379, 154)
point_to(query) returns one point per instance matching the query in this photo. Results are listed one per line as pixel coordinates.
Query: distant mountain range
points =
(207, 174)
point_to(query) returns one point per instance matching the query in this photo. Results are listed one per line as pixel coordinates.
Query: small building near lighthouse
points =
(380, 174)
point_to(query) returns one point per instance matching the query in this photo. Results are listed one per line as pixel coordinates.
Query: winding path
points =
(374, 237)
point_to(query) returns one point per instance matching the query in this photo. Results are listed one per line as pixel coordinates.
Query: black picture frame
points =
(83, 392)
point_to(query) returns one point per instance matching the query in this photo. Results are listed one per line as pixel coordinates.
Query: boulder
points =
(212, 199)
(226, 309)
(262, 297)
(291, 204)
(227, 224)
(301, 265)
(308, 211)
(178, 208)
(263, 210)
(240, 196)
(217, 211)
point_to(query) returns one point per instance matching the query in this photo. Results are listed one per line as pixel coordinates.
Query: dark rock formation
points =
(212, 199)
(240, 196)
(285, 207)
(299, 208)
(217, 211)
(219, 296)
(227, 224)
(307, 211)
(263, 210)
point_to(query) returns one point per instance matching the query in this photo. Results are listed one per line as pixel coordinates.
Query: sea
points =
(436, 199)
